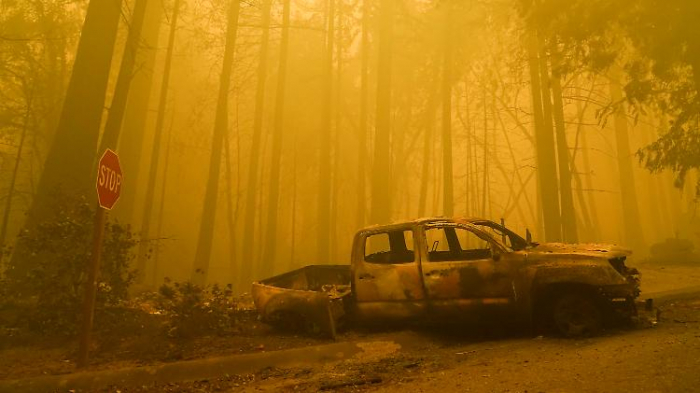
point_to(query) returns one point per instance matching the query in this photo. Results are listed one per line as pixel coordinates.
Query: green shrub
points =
(59, 251)
(194, 310)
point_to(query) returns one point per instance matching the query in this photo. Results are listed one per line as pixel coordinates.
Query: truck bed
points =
(311, 298)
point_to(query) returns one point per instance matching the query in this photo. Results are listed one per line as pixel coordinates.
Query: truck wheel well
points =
(544, 297)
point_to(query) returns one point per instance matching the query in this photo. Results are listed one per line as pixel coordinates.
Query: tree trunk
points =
(231, 213)
(133, 134)
(428, 130)
(338, 115)
(381, 195)
(468, 130)
(362, 129)
(474, 169)
(54, 75)
(485, 158)
(448, 187)
(15, 172)
(544, 146)
(293, 224)
(110, 136)
(251, 205)
(144, 245)
(161, 209)
(269, 251)
(585, 183)
(568, 215)
(588, 183)
(68, 165)
(202, 258)
(628, 192)
(324, 182)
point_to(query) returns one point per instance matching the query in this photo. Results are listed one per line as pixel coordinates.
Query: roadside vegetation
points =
(41, 308)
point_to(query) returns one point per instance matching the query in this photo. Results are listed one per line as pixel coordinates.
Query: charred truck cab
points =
(457, 269)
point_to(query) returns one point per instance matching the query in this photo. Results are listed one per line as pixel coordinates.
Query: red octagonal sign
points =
(109, 179)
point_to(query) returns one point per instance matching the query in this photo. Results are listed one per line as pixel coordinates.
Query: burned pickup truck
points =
(456, 269)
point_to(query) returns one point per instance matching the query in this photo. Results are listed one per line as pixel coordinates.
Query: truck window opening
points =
(390, 247)
(456, 244)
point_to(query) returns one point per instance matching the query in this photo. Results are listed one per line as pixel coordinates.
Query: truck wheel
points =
(576, 315)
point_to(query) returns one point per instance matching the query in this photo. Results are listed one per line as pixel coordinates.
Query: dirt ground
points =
(663, 358)
(146, 346)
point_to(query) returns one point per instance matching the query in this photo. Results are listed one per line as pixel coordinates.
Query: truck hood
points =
(607, 251)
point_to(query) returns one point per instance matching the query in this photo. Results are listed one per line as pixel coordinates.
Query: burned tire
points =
(576, 315)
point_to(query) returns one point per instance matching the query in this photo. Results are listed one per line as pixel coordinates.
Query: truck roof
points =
(419, 221)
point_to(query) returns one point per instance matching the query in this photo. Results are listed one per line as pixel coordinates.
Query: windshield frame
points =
(518, 243)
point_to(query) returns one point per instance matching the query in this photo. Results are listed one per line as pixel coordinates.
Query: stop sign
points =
(109, 179)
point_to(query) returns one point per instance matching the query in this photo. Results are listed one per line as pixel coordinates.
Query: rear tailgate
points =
(311, 298)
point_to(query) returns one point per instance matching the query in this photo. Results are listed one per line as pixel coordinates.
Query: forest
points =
(258, 136)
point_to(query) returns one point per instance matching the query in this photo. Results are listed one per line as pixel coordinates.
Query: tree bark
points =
(15, 172)
(544, 146)
(110, 136)
(630, 209)
(428, 130)
(336, 186)
(485, 158)
(251, 205)
(591, 210)
(231, 212)
(202, 259)
(324, 182)
(363, 129)
(568, 214)
(144, 245)
(161, 208)
(269, 251)
(467, 124)
(448, 187)
(133, 133)
(293, 224)
(68, 165)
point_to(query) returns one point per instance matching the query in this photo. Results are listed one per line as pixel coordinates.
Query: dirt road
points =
(665, 358)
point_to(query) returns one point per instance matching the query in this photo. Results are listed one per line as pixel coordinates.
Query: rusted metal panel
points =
(389, 290)
(467, 279)
(312, 297)
(583, 250)
(465, 276)
(388, 283)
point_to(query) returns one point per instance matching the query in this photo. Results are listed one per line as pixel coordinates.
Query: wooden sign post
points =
(109, 185)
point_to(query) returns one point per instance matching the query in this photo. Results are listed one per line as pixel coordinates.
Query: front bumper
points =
(622, 304)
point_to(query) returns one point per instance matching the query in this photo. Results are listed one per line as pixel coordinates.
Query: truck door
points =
(386, 275)
(459, 269)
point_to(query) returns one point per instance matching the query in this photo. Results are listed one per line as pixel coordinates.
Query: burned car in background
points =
(452, 269)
